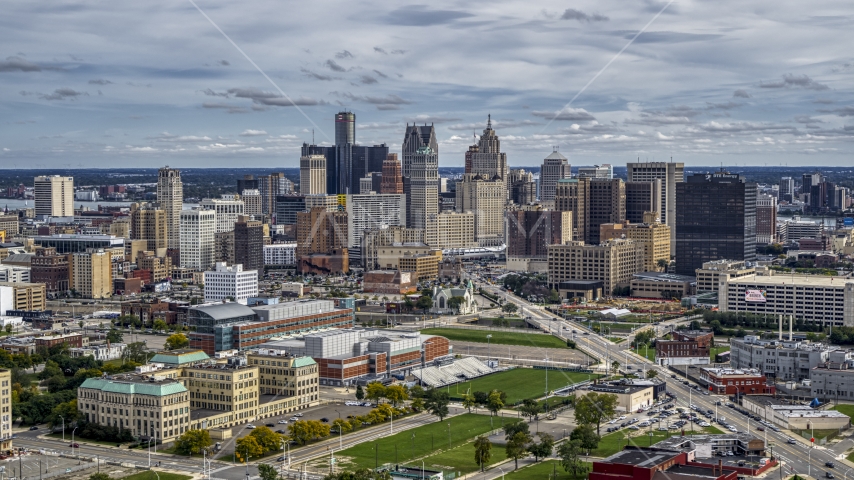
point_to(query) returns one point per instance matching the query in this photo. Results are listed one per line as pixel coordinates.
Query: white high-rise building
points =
(224, 282)
(421, 180)
(54, 196)
(227, 209)
(670, 174)
(197, 238)
(312, 175)
(555, 167)
(280, 254)
(597, 171)
(372, 211)
(252, 202)
(170, 196)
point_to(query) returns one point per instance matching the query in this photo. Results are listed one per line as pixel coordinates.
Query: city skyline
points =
(159, 84)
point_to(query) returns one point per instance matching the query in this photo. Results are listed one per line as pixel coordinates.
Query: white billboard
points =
(754, 296)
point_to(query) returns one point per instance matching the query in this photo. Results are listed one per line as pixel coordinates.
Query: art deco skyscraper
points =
(555, 167)
(421, 172)
(170, 195)
(312, 175)
(488, 161)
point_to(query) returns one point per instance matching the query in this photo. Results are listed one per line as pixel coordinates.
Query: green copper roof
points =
(180, 357)
(303, 362)
(119, 386)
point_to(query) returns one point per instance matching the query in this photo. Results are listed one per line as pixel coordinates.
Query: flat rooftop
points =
(664, 277)
(792, 280)
(642, 457)
(730, 372)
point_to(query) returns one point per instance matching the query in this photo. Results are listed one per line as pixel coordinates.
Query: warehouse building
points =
(783, 360)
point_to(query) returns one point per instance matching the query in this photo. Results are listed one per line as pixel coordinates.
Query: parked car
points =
(324, 420)
(282, 422)
(74, 445)
(250, 426)
(34, 428)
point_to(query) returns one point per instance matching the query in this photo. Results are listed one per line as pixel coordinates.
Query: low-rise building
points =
(230, 282)
(424, 266)
(662, 285)
(833, 379)
(147, 406)
(614, 262)
(22, 296)
(629, 397)
(280, 254)
(730, 381)
(102, 353)
(14, 274)
(714, 273)
(684, 348)
(392, 282)
(780, 359)
(793, 416)
(293, 289)
(442, 299)
(73, 340)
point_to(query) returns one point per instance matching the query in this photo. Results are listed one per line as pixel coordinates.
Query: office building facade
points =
(227, 208)
(170, 196)
(392, 178)
(92, 274)
(54, 196)
(613, 262)
(555, 167)
(372, 211)
(642, 197)
(485, 197)
(150, 223)
(715, 219)
(312, 175)
(766, 219)
(670, 174)
(198, 244)
(249, 244)
(420, 168)
(230, 282)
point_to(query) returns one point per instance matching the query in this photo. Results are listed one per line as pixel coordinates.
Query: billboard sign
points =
(848, 221)
(754, 296)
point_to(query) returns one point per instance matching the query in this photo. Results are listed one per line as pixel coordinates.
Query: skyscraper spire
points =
(489, 121)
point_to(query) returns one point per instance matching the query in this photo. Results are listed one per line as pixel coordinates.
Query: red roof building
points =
(731, 382)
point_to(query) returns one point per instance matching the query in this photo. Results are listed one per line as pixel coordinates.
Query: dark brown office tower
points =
(470, 155)
(249, 244)
(571, 196)
(642, 197)
(606, 204)
(322, 241)
(523, 192)
(248, 182)
(529, 233)
(392, 180)
(51, 269)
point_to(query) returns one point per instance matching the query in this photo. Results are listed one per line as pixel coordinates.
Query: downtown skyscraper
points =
(488, 160)
(421, 180)
(170, 196)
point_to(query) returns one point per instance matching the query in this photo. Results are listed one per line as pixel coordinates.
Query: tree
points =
(9, 328)
(480, 398)
(468, 401)
(176, 341)
(570, 457)
(651, 373)
(267, 472)
(662, 263)
(99, 476)
(437, 403)
(585, 434)
(268, 439)
(424, 303)
(396, 394)
(554, 296)
(114, 336)
(593, 407)
(517, 446)
(159, 324)
(509, 307)
(615, 366)
(136, 352)
(482, 453)
(342, 425)
(495, 402)
(529, 408)
(511, 428)
(543, 448)
(67, 410)
(302, 431)
(375, 392)
(193, 442)
(247, 447)
(455, 302)
(360, 393)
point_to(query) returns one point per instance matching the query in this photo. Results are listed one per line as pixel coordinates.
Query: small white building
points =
(442, 296)
(280, 254)
(15, 322)
(14, 274)
(293, 289)
(103, 352)
(230, 281)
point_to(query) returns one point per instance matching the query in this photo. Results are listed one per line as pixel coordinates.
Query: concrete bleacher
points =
(458, 371)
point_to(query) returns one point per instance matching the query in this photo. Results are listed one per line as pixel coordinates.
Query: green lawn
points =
(646, 352)
(150, 475)
(617, 339)
(519, 383)
(716, 350)
(419, 442)
(460, 459)
(545, 470)
(846, 409)
(614, 442)
(541, 340)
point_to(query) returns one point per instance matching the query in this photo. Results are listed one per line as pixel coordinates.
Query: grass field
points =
(614, 442)
(520, 383)
(716, 350)
(461, 459)
(617, 339)
(149, 475)
(503, 338)
(646, 352)
(616, 326)
(545, 470)
(419, 442)
(845, 409)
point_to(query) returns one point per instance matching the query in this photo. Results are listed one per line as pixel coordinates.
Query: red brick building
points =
(51, 269)
(156, 309)
(730, 382)
(345, 356)
(684, 348)
(73, 340)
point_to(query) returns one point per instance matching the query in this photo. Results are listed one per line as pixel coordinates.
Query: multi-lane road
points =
(798, 457)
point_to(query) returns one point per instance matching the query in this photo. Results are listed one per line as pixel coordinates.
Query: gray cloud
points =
(224, 106)
(212, 93)
(423, 16)
(796, 81)
(824, 101)
(63, 93)
(367, 79)
(433, 119)
(569, 114)
(722, 106)
(344, 54)
(467, 127)
(317, 76)
(380, 74)
(380, 50)
(668, 37)
(272, 99)
(334, 66)
(398, 52)
(224, 63)
(847, 111)
(18, 64)
(573, 14)
(388, 107)
(387, 100)
(100, 81)
(253, 133)
(806, 119)
(740, 93)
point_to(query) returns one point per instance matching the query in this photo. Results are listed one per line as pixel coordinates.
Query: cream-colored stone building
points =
(655, 238)
(5, 409)
(613, 262)
(312, 175)
(485, 197)
(456, 230)
(92, 274)
(713, 274)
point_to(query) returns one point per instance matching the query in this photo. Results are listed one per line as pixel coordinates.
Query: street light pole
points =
(488, 349)
(63, 428)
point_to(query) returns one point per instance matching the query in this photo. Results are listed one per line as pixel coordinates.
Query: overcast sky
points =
(98, 83)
